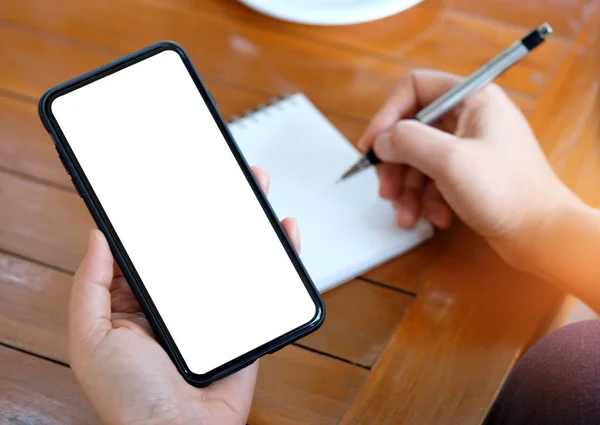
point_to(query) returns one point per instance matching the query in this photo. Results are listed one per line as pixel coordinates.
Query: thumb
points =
(417, 145)
(89, 307)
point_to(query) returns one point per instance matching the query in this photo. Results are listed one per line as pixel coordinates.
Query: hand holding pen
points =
(460, 92)
(481, 161)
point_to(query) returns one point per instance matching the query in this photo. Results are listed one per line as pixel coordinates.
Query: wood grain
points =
(36, 391)
(360, 319)
(336, 79)
(567, 17)
(410, 271)
(462, 334)
(566, 121)
(298, 387)
(25, 147)
(45, 224)
(33, 307)
(424, 37)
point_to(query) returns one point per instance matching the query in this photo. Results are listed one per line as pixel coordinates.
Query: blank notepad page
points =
(346, 229)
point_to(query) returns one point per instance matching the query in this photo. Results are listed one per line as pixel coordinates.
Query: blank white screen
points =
(185, 213)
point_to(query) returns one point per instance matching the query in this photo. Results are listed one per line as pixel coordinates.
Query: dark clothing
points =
(556, 382)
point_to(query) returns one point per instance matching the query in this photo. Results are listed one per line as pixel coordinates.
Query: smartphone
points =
(189, 226)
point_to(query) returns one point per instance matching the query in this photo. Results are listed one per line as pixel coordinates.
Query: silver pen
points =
(458, 94)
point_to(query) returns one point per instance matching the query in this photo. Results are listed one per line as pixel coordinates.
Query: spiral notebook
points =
(346, 228)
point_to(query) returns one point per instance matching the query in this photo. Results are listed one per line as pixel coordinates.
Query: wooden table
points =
(425, 339)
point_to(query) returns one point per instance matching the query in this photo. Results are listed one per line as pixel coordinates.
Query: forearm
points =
(565, 251)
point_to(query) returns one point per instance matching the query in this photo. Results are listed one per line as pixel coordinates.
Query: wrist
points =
(192, 415)
(548, 236)
(525, 246)
(195, 413)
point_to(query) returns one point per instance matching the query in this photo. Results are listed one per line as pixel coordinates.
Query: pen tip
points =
(545, 29)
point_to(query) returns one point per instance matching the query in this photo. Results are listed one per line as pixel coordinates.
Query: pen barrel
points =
(482, 77)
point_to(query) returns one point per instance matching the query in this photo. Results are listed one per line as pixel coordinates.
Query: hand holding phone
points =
(194, 236)
(124, 372)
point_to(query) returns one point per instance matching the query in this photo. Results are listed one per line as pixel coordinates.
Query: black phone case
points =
(86, 192)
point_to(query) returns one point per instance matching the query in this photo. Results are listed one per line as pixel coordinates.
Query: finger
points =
(290, 226)
(89, 307)
(122, 298)
(391, 177)
(136, 322)
(435, 208)
(409, 205)
(262, 177)
(420, 146)
(414, 91)
(116, 271)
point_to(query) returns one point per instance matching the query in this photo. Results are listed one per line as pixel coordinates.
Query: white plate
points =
(329, 12)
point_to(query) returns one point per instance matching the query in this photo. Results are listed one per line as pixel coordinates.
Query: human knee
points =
(556, 382)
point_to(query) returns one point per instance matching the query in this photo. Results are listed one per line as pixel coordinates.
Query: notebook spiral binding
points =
(248, 112)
